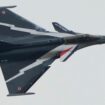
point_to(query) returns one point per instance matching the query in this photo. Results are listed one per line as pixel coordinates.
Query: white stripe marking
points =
(32, 31)
(22, 71)
(39, 61)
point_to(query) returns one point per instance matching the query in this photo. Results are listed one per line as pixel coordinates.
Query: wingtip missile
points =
(5, 7)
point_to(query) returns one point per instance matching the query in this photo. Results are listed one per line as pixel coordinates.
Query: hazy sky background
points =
(81, 79)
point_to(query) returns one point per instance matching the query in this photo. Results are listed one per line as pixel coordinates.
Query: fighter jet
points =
(27, 50)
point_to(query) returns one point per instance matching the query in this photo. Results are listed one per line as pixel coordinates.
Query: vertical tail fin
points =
(61, 28)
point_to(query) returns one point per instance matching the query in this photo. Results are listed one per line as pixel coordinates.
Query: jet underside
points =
(27, 50)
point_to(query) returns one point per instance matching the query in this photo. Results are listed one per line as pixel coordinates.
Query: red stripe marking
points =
(64, 52)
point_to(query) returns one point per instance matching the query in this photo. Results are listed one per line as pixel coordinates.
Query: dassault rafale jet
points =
(27, 50)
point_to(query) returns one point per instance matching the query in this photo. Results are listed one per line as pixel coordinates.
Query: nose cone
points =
(85, 39)
(101, 40)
